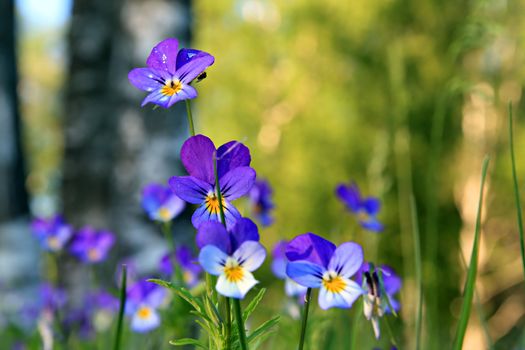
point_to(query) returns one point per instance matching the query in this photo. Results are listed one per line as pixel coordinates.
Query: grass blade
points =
(468, 292)
(516, 189)
(118, 335)
(417, 264)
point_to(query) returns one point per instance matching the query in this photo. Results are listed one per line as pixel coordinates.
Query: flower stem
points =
(118, 335)
(190, 118)
(177, 273)
(240, 324)
(307, 300)
(417, 263)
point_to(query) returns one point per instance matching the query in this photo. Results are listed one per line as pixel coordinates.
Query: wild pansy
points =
(91, 246)
(317, 263)
(160, 203)
(261, 202)
(232, 256)
(184, 258)
(52, 233)
(95, 315)
(169, 73)
(235, 176)
(366, 209)
(292, 288)
(375, 302)
(143, 300)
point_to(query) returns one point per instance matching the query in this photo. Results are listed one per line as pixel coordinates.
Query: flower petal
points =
(145, 322)
(250, 255)
(305, 273)
(194, 67)
(213, 233)
(279, 268)
(186, 55)
(197, 156)
(293, 289)
(344, 299)
(202, 215)
(391, 280)
(189, 188)
(231, 215)
(371, 205)
(243, 230)
(187, 92)
(347, 259)
(145, 79)
(236, 290)
(310, 247)
(158, 98)
(237, 182)
(212, 259)
(164, 56)
(232, 155)
(372, 224)
(350, 195)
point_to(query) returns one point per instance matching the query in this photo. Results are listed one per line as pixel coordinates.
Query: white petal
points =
(344, 299)
(375, 325)
(212, 259)
(142, 324)
(238, 289)
(250, 255)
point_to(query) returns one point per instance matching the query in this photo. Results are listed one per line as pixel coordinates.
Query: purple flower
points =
(292, 288)
(316, 263)
(143, 300)
(53, 233)
(169, 73)
(161, 203)
(91, 246)
(261, 201)
(366, 209)
(191, 270)
(232, 256)
(375, 303)
(236, 178)
(51, 298)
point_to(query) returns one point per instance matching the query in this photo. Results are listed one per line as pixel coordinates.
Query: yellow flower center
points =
(233, 271)
(53, 243)
(144, 312)
(93, 254)
(333, 282)
(164, 214)
(212, 203)
(171, 87)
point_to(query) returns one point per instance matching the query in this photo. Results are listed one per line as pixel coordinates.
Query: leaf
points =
(253, 304)
(470, 283)
(264, 330)
(187, 341)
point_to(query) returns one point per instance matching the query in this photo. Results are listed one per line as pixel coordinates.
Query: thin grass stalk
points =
(470, 283)
(516, 189)
(307, 302)
(417, 264)
(118, 335)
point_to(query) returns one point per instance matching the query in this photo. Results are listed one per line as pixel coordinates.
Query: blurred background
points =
(404, 97)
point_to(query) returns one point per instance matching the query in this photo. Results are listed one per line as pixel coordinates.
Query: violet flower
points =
(232, 256)
(91, 246)
(375, 303)
(52, 233)
(261, 202)
(169, 73)
(317, 263)
(51, 298)
(236, 178)
(160, 203)
(143, 300)
(184, 259)
(365, 208)
(292, 288)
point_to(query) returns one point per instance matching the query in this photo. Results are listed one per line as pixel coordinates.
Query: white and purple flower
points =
(91, 246)
(143, 300)
(169, 73)
(52, 233)
(184, 258)
(292, 288)
(160, 203)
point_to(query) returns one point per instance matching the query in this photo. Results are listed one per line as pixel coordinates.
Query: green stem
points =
(240, 324)
(228, 323)
(307, 300)
(417, 262)
(355, 328)
(190, 118)
(118, 335)
(390, 332)
(516, 189)
(177, 273)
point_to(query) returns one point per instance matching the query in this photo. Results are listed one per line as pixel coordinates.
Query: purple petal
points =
(243, 230)
(232, 155)
(279, 250)
(145, 79)
(391, 280)
(187, 92)
(197, 156)
(164, 56)
(202, 215)
(371, 205)
(372, 224)
(213, 233)
(158, 98)
(190, 189)
(347, 259)
(186, 55)
(279, 268)
(310, 247)
(231, 214)
(237, 182)
(194, 67)
(305, 273)
(350, 196)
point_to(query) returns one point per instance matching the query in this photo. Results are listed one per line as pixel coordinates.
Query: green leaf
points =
(470, 283)
(188, 341)
(264, 330)
(253, 304)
